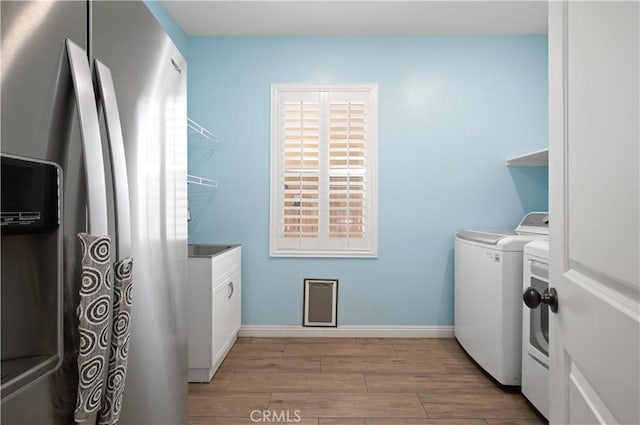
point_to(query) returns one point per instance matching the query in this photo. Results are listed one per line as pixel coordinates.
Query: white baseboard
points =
(348, 331)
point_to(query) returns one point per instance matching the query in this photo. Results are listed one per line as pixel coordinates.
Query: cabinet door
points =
(235, 316)
(220, 318)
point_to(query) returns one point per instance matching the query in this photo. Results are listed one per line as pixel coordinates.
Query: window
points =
(324, 170)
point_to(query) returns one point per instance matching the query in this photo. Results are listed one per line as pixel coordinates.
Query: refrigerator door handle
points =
(107, 99)
(98, 226)
(91, 143)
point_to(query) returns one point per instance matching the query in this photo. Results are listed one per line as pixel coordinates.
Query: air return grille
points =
(320, 303)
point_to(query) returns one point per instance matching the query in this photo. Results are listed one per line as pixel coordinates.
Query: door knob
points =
(532, 298)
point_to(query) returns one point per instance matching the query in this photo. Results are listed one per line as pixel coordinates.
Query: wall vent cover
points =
(320, 303)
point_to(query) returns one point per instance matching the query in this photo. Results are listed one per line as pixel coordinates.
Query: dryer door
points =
(539, 317)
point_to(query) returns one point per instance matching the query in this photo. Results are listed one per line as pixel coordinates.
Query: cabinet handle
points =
(231, 293)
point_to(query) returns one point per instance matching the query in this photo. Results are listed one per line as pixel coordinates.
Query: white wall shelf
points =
(202, 144)
(195, 130)
(533, 159)
(201, 181)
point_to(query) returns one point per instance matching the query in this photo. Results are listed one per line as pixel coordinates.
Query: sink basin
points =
(208, 250)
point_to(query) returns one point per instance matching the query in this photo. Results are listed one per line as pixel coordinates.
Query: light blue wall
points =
(172, 28)
(452, 108)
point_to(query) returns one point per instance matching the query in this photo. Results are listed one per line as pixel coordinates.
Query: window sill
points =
(322, 254)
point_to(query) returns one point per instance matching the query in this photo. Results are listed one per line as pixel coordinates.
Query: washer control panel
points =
(535, 222)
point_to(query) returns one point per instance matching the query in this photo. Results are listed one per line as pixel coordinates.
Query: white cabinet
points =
(215, 287)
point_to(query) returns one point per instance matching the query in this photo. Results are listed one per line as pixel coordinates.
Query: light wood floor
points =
(353, 381)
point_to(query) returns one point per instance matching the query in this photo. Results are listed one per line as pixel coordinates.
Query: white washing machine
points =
(535, 326)
(488, 295)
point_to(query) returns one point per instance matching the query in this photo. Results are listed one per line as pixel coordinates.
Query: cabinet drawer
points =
(225, 264)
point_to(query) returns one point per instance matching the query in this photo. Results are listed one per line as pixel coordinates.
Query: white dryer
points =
(488, 297)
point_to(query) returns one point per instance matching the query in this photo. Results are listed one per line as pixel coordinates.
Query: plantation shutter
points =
(301, 167)
(347, 172)
(324, 143)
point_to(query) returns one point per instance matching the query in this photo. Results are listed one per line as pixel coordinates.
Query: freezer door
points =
(34, 126)
(149, 77)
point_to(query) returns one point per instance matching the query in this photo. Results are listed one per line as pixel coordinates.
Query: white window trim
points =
(372, 140)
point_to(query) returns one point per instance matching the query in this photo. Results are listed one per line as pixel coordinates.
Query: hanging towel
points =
(94, 314)
(112, 400)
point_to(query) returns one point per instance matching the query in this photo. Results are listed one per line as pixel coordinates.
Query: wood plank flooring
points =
(353, 381)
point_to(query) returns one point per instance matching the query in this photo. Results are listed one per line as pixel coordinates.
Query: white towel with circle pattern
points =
(123, 285)
(94, 314)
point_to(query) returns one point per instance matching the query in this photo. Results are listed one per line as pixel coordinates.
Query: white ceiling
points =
(360, 17)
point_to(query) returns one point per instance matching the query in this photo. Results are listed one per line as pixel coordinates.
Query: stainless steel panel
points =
(38, 121)
(152, 102)
(33, 34)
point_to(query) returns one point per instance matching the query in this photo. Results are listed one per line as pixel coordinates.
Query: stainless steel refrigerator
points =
(45, 168)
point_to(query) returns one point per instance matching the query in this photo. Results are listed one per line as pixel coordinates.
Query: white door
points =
(594, 202)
